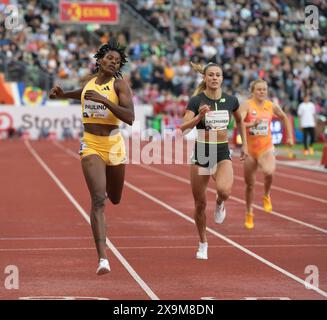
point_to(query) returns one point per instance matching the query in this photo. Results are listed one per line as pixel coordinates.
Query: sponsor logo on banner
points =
(33, 96)
(6, 121)
(89, 12)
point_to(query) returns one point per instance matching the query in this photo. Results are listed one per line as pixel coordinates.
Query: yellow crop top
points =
(94, 112)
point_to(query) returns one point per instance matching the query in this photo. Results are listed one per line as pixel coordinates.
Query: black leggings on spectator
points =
(311, 132)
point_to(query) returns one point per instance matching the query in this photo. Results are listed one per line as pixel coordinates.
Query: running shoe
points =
(202, 252)
(249, 220)
(267, 206)
(103, 267)
(220, 212)
(311, 151)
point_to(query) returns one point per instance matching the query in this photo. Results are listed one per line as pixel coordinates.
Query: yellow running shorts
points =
(111, 149)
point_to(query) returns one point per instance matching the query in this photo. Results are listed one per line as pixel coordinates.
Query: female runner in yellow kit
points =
(257, 113)
(106, 101)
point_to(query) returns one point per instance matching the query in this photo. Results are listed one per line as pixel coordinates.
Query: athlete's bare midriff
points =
(212, 135)
(100, 129)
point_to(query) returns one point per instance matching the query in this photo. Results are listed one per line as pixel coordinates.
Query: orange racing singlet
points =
(259, 138)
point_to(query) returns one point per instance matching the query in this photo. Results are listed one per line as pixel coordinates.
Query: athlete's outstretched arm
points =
(241, 128)
(57, 93)
(283, 117)
(125, 109)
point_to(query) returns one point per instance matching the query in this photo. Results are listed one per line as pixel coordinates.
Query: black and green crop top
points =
(221, 110)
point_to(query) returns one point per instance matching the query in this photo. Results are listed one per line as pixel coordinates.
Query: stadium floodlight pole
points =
(172, 22)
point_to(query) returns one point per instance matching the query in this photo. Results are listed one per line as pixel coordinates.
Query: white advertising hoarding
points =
(32, 119)
(55, 119)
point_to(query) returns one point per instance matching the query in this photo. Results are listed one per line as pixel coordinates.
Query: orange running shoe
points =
(249, 220)
(305, 152)
(311, 151)
(267, 206)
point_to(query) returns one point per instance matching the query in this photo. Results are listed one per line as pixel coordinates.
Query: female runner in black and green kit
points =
(210, 110)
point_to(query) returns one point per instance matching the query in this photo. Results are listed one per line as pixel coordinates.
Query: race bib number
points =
(95, 110)
(261, 129)
(82, 146)
(217, 120)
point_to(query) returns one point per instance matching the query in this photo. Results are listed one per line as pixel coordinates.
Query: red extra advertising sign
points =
(89, 12)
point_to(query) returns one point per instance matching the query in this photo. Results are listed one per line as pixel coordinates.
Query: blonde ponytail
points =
(202, 86)
(197, 67)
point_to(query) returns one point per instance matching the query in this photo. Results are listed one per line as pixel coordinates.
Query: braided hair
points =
(112, 45)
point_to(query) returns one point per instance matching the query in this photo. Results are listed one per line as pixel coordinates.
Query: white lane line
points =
(274, 187)
(174, 237)
(43, 238)
(234, 163)
(301, 178)
(44, 249)
(67, 150)
(284, 164)
(123, 261)
(289, 176)
(181, 179)
(233, 243)
(230, 246)
(170, 247)
(301, 165)
(298, 194)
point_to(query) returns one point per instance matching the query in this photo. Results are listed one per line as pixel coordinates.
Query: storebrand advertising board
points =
(55, 119)
(33, 120)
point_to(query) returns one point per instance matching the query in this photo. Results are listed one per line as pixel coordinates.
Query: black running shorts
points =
(207, 155)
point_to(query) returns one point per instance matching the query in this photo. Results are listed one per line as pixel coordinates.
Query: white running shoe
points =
(202, 252)
(220, 212)
(103, 267)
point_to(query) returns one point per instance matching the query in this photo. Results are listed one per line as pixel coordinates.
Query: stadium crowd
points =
(249, 38)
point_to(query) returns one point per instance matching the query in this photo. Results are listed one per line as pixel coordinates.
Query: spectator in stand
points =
(307, 121)
(249, 39)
